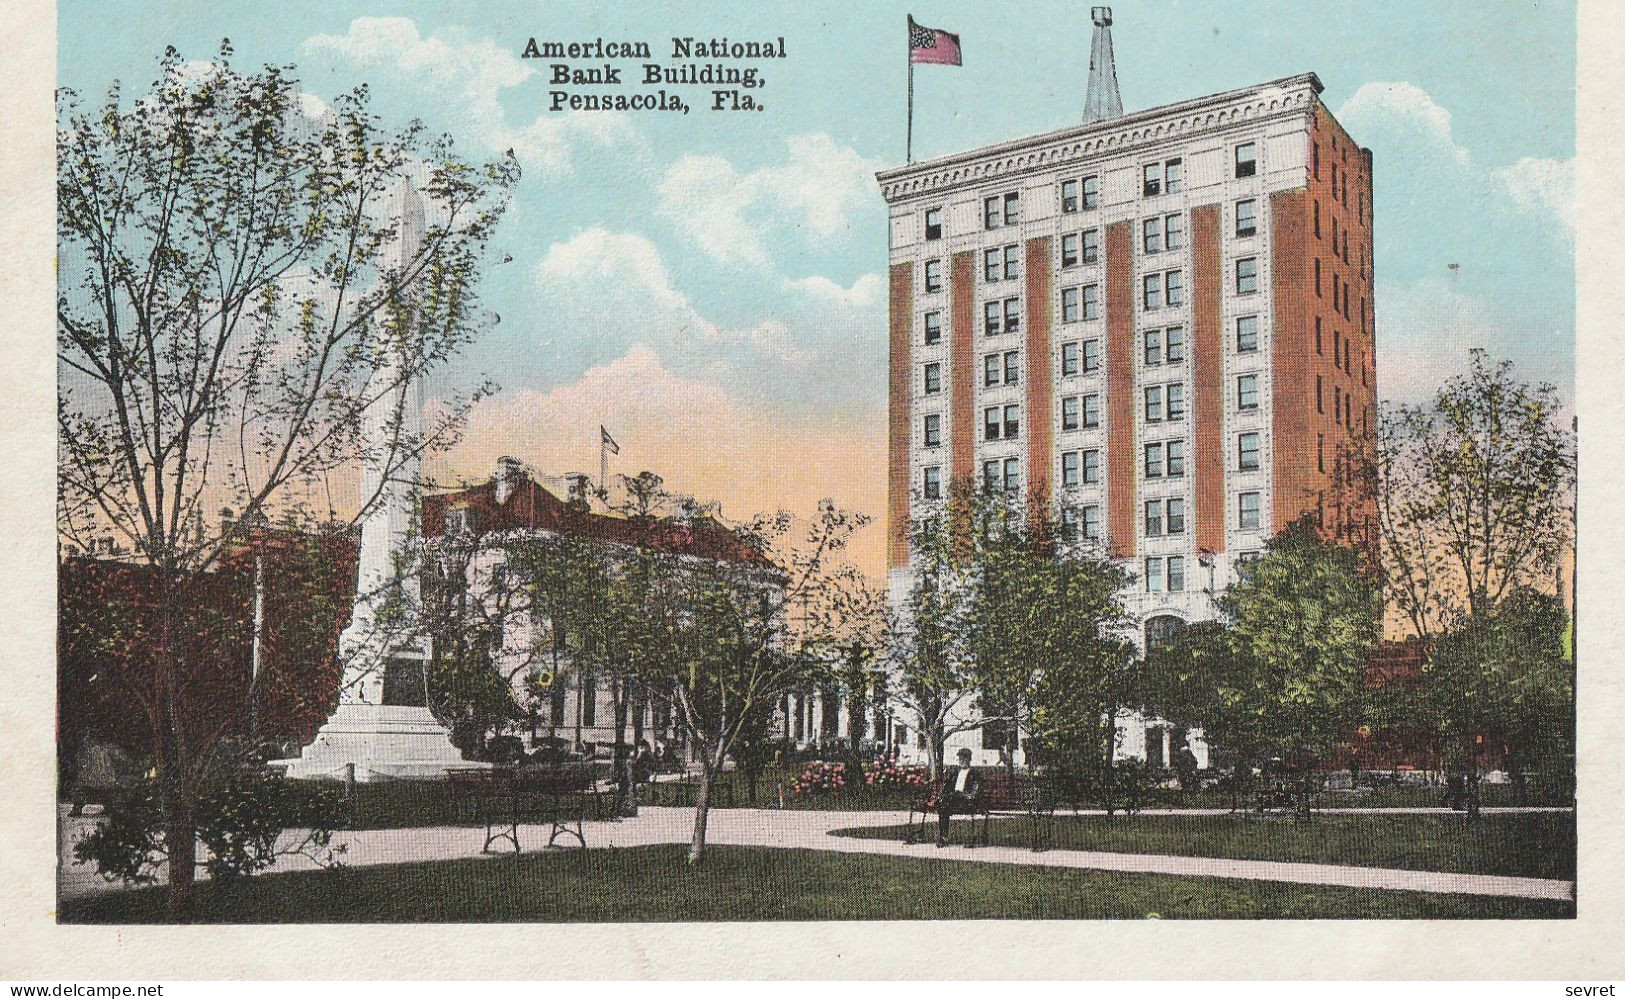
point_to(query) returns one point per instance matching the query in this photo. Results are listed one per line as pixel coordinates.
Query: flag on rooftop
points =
(608, 441)
(932, 45)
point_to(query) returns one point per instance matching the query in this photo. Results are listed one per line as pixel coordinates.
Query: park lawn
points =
(651, 884)
(1536, 845)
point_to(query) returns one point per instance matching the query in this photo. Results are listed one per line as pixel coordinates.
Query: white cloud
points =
(1542, 186)
(808, 348)
(865, 291)
(1381, 107)
(1426, 328)
(733, 216)
(476, 72)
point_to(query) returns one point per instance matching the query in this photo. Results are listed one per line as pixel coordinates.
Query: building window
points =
(1153, 346)
(933, 275)
(1152, 293)
(1152, 178)
(1151, 234)
(1071, 418)
(1160, 178)
(1153, 461)
(1176, 516)
(1069, 523)
(933, 482)
(1069, 305)
(991, 423)
(1176, 459)
(1091, 245)
(1246, 334)
(1012, 262)
(990, 475)
(1012, 475)
(933, 378)
(1173, 232)
(992, 318)
(1153, 575)
(1069, 359)
(1337, 403)
(1091, 301)
(1174, 283)
(1320, 452)
(933, 223)
(1069, 196)
(933, 430)
(1247, 159)
(990, 370)
(1246, 275)
(990, 264)
(1172, 172)
(990, 213)
(1317, 217)
(1247, 392)
(1319, 349)
(1153, 518)
(1162, 232)
(1070, 465)
(1012, 208)
(933, 327)
(1090, 522)
(1176, 573)
(1091, 412)
(1247, 451)
(1174, 344)
(1175, 396)
(1012, 367)
(1320, 394)
(1153, 404)
(1246, 217)
(1247, 511)
(1317, 276)
(1091, 466)
(1091, 193)
(1070, 254)
(1012, 315)
(1091, 356)
(1012, 422)
(1314, 158)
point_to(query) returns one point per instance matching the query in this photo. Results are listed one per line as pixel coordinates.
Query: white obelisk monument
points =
(382, 726)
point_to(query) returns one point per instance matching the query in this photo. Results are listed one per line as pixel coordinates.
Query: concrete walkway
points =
(794, 829)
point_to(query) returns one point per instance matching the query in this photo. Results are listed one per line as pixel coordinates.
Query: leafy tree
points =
(1283, 674)
(734, 635)
(1502, 676)
(223, 310)
(1474, 495)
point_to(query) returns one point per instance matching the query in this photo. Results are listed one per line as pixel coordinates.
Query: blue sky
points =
(709, 285)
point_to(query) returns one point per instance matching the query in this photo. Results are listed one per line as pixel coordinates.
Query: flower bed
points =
(820, 776)
(884, 771)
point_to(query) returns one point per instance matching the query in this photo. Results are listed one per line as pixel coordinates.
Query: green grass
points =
(756, 883)
(1537, 845)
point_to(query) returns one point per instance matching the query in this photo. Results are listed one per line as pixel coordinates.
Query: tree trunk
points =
(702, 811)
(180, 842)
(626, 803)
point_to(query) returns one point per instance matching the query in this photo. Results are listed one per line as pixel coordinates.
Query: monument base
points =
(383, 742)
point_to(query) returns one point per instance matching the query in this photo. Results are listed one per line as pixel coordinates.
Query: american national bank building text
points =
(1161, 323)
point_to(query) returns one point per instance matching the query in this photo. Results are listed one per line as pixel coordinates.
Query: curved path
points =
(813, 830)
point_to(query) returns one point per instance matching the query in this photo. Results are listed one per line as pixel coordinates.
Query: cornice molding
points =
(1294, 95)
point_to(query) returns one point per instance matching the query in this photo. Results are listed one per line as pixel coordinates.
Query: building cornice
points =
(1289, 95)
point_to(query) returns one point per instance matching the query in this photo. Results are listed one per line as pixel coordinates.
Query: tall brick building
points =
(1162, 323)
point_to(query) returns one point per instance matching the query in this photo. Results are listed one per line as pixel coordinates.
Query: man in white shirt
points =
(958, 795)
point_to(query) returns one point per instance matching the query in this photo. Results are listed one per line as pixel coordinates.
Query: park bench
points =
(1000, 793)
(501, 799)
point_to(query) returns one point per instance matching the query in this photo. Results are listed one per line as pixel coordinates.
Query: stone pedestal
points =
(384, 741)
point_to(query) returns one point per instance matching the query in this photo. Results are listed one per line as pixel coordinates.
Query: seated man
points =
(958, 795)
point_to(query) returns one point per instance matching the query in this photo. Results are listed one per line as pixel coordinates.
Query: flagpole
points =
(603, 464)
(909, 150)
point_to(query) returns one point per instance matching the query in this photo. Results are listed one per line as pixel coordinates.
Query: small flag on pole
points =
(932, 45)
(608, 441)
(927, 45)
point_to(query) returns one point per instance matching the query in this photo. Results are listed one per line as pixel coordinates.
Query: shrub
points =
(239, 821)
(820, 776)
(884, 771)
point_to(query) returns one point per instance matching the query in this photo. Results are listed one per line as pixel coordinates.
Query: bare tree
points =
(226, 302)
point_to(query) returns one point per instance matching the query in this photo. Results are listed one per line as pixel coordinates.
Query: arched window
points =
(1160, 628)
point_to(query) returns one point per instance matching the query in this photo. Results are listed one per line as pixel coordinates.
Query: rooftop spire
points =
(1102, 101)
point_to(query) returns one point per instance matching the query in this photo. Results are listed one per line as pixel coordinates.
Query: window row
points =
(1164, 517)
(1001, 263)
(1158, 579)
(1001, 209)
(1001, 423)
(1080, 248)
(1001, 369)
(1080, 468)
(1164, 402)
(1163, 288)
(1164, 345)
